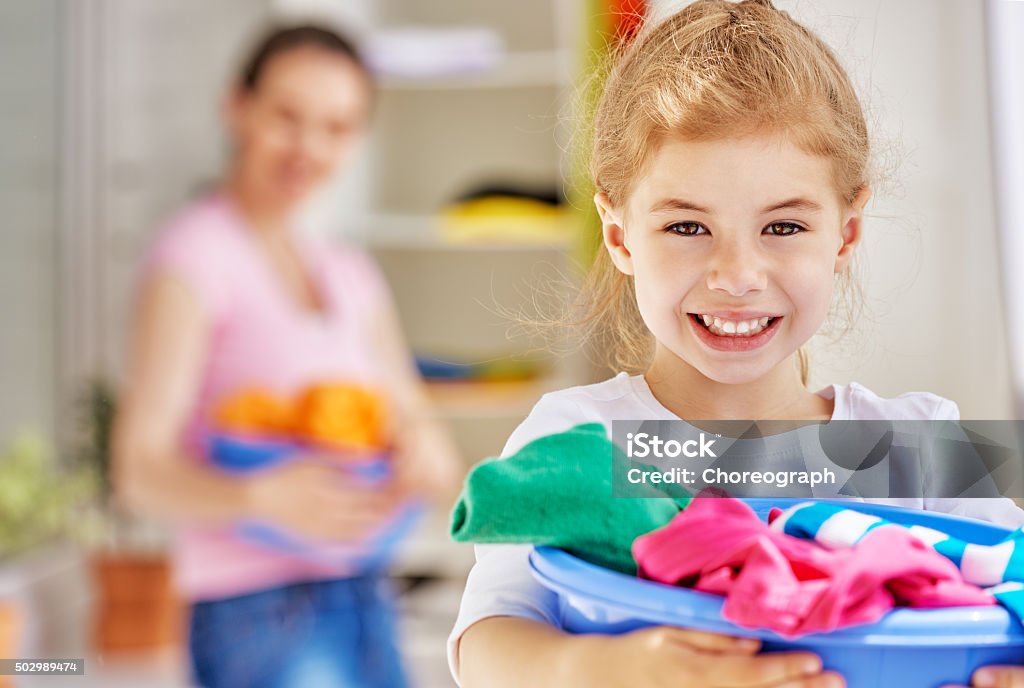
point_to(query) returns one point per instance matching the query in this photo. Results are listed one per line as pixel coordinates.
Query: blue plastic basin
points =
(241, 455)
(908, 648)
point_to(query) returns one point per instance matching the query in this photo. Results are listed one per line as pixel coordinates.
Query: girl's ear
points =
(851, 230)
(613, 233)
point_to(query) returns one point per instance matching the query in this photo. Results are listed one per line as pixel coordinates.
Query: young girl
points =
(731, 162)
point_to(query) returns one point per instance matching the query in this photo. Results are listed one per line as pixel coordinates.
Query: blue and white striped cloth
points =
(998, 568)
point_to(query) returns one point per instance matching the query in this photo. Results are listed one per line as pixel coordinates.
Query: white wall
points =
(1005, 23)
(167, 67)
(28, 189)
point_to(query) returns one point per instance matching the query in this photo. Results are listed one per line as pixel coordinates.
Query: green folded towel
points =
(557, 491)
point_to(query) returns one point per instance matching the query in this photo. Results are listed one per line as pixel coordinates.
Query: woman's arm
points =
(150, 473)
(153, 476)
(428, 461)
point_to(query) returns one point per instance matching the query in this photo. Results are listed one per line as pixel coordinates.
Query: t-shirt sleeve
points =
(946, 409)
(999, 510)
(500, 583)
(196, 254)
(555, 412)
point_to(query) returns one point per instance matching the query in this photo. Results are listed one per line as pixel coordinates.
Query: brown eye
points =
(687, 229)
(783, 229)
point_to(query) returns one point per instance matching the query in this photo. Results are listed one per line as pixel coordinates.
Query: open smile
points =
(727, 334)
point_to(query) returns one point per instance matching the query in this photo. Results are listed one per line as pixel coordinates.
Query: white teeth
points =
(741, 328)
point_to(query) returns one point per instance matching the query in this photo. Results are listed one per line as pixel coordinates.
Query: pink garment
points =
(260, 336)
(795, 586)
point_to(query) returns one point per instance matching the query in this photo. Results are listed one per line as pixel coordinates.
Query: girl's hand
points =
(309, 496)
(673, 657)
(997, 677)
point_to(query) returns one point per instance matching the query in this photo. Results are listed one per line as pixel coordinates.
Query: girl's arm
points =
(505, 636)
(507, 652)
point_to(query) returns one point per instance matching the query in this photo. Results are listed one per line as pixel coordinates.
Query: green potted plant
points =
(40, 502)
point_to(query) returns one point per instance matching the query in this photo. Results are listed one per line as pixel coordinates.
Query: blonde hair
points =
(715, 69)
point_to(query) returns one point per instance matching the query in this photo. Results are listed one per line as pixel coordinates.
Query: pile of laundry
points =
(814, 567)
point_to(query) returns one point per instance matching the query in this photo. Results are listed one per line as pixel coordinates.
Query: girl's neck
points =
(265, 218)
(779, 395)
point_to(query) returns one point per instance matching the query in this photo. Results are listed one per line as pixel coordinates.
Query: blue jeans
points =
(322, 634)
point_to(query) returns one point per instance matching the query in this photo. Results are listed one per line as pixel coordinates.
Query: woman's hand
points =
(311, 497)
(673, 657)
(425, 464)
(997, 677)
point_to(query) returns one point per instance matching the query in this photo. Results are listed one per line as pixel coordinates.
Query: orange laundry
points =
(340, 415)
(256, 411)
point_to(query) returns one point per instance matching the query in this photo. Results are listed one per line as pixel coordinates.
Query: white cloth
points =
(500, 584)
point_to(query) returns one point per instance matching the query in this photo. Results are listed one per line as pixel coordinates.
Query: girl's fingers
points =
(829, 679)
(713, 642)
(995, 677)
(765, 670)
(998, 677)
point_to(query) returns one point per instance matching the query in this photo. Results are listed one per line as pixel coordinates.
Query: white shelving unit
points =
(437, 138)
(518, 70)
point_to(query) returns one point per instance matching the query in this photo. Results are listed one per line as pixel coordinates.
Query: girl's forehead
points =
(752, 170)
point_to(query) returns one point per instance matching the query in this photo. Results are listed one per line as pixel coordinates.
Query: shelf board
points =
(395, 232)
(541, 68)
(433, 244)
(467, 399)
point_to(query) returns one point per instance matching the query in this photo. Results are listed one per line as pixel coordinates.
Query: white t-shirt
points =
(500, 583)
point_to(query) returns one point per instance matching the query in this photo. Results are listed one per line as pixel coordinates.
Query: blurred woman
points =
(232, 296)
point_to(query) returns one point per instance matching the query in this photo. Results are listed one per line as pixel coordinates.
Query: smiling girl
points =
(731, 159)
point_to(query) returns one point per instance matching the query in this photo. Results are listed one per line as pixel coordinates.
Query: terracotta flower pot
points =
(11, 625)
(136, 607)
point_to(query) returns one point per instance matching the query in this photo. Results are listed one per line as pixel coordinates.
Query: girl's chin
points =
(732, 374)
(723, 372)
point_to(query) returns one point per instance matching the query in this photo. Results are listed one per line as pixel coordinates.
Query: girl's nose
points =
(736, 269)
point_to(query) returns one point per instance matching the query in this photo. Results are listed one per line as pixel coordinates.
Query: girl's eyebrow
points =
(794, 204)
(789, 204)
(677, 204)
